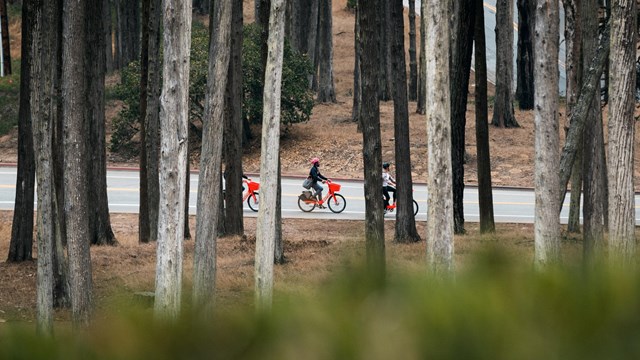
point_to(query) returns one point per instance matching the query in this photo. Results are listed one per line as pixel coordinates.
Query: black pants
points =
(385, 191)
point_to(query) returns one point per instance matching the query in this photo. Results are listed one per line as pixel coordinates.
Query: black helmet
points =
(385, 165)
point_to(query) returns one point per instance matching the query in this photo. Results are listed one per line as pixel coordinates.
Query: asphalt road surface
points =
(510, 205)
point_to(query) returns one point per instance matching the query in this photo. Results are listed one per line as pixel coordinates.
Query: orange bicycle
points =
(250, 195)
(391, 207)
(307, 200)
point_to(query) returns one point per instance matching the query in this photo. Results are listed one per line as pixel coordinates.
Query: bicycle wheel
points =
(306, 206)
(415, 207)
(337, 203)
(254, 201)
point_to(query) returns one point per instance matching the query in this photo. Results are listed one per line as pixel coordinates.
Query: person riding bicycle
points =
(315, 176)
(388, 184)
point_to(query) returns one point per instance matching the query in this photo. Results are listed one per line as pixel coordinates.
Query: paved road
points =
(511, 205)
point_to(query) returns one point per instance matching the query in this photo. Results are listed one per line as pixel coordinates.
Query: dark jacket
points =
(315, 175)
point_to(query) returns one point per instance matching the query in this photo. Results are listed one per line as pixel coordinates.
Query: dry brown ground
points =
(314, 248)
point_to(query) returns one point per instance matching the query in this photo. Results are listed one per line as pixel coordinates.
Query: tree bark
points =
(234, 224)
(485, 193)
(526, 23)
(462, 48)
(174, 118)
(440, 247)
(211, 158)
(326, 84)
(573, 63)
(76, 187)
(621, 127)
(266, 227)
(143, 213)
(422, 76)
(107, 27)
(312, 42)
(152, 118)
(503, 115)
(384, 55)
(357, 77)
(128, 22)
(413, 63)
(278, 250)
(370, 38)
(95, 64)
(21, 245)
(590, 84)
(405, 221)
(547, 221)
(43, 45)
(5, 42)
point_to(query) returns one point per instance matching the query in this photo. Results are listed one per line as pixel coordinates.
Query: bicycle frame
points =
(330, 193)
(252, 187)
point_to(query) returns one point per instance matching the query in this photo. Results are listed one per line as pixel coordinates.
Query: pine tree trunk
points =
(384, 55)
(278, 250)
(95, 63)
(370, 38)
(76, 161)
(440, 248)
(187, 190)
(234, 224)
(357, 78)
(573, 66)
(326, 85)
(422, 76)
(413, 63)
(503, 115)
(21, 245)
(5, 42)
(547, 221)
(211, 158)
(593, 180)
(313, 42)
(622, 82)
(152, 119)
(107, 27)
(174, 118)
(524, 86)
(143, 213)
(405, 220)
(460, 68)
(485, 193)
(42, 47)
(266, 226)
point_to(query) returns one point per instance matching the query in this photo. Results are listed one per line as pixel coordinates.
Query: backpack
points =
(307, 183)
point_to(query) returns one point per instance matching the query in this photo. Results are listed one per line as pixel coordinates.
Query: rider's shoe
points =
(320, 206)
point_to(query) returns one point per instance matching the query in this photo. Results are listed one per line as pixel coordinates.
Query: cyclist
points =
(315, 176)
(388, 184)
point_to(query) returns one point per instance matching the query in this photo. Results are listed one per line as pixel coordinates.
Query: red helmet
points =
(315, 160)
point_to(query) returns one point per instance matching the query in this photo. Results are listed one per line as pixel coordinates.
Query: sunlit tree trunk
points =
(266, 226)
(211, 158)
(503, 114)
(547, 221)
(622, 82)
(174, 118)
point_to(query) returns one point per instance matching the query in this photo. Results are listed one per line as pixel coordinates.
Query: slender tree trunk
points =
(266, 227)
(21, 245)
(422, 76)
(152, 119)
(43, 44)
(174, 118)
(76, 190)
(143, 213)
(95, 63)
(485, 193)
(461, 66)
(312, 42)
(107, 27)
(4, 42)
(593, 209)
(547, 221)
(370, 38)
(234, 224)
(405, 221)
(278, 251)
(187, 190)
(129, 31)
(326, 85)
(384, 55)
(440, 248)
(357, 78)
(573, 63)
(503, 114)
(211, 158)
(590, 85)
(413, 62)
(524, 86)
(622, 82)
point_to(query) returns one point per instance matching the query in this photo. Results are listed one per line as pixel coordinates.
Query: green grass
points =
(492, 310)
(10, 98)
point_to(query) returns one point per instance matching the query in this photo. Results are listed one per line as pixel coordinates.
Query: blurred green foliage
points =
(491, 310)
(10, 98)
(296, 105)
(351, 4)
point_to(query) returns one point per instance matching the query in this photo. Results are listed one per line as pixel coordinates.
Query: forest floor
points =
(314, 249)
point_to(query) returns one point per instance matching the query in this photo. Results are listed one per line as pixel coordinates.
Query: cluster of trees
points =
(62, 142)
